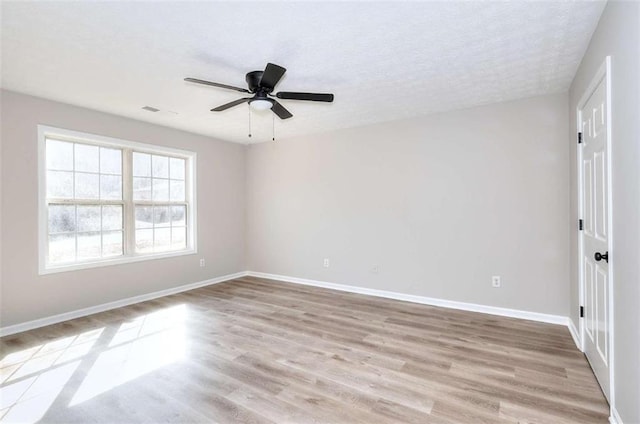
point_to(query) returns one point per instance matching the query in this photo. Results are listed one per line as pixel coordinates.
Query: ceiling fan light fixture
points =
(260, 105)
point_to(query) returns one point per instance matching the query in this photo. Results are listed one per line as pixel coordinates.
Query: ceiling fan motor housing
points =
(253, 80)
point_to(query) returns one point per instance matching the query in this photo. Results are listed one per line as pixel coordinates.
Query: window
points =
(106, 201)
(159, 202)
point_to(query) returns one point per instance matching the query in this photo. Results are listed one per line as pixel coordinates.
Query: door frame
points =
(603, 73)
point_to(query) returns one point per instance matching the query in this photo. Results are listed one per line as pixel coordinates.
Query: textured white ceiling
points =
(383, 61)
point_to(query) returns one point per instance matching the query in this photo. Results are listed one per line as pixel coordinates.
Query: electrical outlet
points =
(495, 281)
(202, 262)
(375, 269)
(325, 263)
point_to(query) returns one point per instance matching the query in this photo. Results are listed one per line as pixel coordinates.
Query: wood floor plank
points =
(259, 351)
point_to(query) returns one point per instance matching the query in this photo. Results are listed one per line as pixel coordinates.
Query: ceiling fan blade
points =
(215, 84)
(279, 110)
(314, 97)
(231, 104)
(272, 75)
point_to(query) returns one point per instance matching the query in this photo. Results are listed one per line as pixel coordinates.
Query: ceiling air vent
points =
(151, 109)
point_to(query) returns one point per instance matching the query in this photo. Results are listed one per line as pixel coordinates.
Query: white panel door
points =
(595, 234)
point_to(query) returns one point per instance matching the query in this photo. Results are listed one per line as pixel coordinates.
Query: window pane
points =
(161, 216)
(176, 167)
(177, 191)
(112, 243)
(62, 218)
(87, 186)
(62, 248)
(141, 188)
(88, 218)
(110, 187)
(178, 238)
(89, 245)
(87, 158)
(110, 161)
(162, 239)
(144, 241)
(160, 190)
(160, 166)
(177, 216)
(59, 155)
(60, 184)
(111, 218)
(141, 165)
(144, 217)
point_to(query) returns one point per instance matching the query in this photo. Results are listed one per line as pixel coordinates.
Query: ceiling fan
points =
(261, 85)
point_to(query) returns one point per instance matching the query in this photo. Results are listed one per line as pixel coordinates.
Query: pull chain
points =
(249, 108)
(273, 127)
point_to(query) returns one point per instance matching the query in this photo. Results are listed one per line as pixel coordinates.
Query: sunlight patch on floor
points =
(139, 347)
(33, 378)
(31, 398)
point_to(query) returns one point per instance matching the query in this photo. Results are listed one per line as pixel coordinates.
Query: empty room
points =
(320, 212)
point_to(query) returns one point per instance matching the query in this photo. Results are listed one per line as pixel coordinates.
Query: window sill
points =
(117, 261)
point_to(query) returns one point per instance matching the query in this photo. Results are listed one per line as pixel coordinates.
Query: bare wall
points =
(439, 203)
(1, 179)
(221, 198)
(618, 36)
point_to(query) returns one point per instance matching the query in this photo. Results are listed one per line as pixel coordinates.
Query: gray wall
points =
(27, 296)
(440, 203)
(617, 35)
(1, 200)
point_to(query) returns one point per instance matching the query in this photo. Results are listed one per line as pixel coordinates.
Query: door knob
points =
(599, 256)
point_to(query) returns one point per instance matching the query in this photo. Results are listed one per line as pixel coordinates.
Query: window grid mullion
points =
(73, 167)
(101, 230)
(153, 218)
(100, 194)
(84, 202)
(129, 210)
(159, 203)
(169, 181)
(75, 235)
(188, 194)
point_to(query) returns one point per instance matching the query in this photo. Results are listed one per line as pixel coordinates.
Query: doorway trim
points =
(604, 72)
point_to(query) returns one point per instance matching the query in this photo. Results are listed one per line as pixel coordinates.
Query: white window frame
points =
(127, 146)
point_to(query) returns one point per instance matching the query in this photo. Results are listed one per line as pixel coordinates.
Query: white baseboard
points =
(574, 334)
(42, 322)
(614, 418)
(493, 310)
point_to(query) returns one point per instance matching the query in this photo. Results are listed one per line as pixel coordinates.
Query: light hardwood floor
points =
(260, 351)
